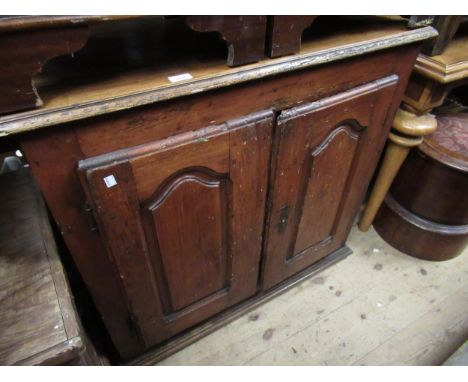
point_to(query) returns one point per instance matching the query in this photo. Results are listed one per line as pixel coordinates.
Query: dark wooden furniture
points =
(38, 321)
(426, 216)
(27, 43)
(447, 26)
(323, 160)
(244, 35)
(284, 34)
(185, 204)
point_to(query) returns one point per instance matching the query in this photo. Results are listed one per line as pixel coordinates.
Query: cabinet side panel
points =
(53, 158)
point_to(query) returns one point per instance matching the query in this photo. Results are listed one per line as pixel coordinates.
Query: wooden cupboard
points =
(323, 162)
(182, 218)
(176, 222)
(183, 205)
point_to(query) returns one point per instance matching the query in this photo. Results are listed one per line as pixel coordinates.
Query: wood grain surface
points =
(324, 161)
(376, 307)
(38, 320)
(450, 66)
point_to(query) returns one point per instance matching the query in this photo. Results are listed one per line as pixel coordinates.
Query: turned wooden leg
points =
(407, 131)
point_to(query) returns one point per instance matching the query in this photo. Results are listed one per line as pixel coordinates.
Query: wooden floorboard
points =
(430, 339)
(376, 307)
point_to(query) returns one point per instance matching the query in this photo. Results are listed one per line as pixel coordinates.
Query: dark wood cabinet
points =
(322, 166)
(182, 219)
(185, 204)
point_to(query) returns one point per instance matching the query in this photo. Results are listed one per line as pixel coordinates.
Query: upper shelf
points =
(92, 91)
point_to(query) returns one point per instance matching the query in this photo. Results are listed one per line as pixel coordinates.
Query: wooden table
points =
(39, 324)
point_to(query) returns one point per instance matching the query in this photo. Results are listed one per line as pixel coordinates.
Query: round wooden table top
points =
(449, 143)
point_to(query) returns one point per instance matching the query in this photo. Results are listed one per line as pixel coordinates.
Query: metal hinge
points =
(90, 217)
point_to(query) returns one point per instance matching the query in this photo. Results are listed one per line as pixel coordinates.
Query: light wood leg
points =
(407, 133)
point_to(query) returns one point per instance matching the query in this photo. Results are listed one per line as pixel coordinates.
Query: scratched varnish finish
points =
(377, 307)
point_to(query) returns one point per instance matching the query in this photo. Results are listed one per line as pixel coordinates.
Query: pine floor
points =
(376, 307)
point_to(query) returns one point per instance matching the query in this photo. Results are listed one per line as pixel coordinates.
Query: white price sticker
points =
(110, 181)
(180, 77)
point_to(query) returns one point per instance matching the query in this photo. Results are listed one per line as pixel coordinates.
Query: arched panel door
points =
(182, 219)
(326, 154)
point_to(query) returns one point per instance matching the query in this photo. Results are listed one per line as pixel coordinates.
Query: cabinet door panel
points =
(189, 217)
(326, 153)
(182, 219)
(330, 165)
